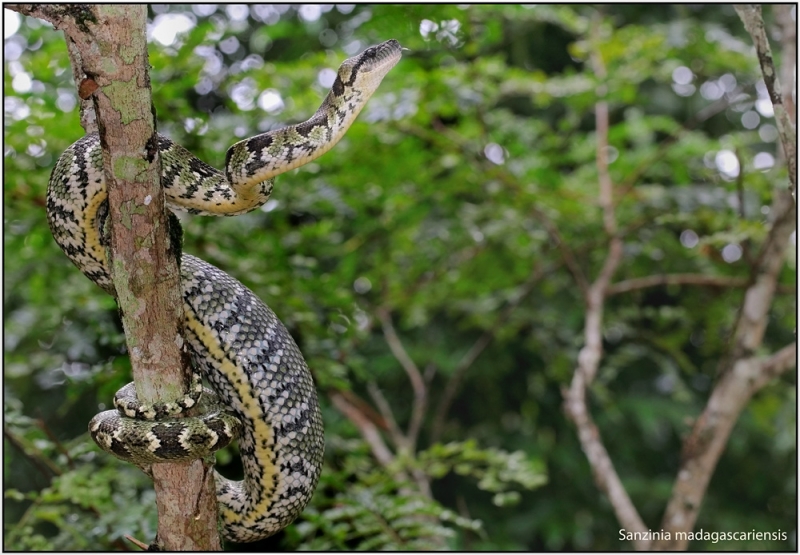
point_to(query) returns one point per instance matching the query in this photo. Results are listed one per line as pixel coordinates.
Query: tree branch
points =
(456, 378)
(709, 436)
(629, 182)
(398, 437)
(775, 365)
(741, 375)
(783, 17)
(414, 376)
(750, 14)
(632, 284)
(365, 426)
(566, 252)
(109, 43)
(575, 404)
(722, 282)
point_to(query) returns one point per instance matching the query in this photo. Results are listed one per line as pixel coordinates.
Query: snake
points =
(261, 390)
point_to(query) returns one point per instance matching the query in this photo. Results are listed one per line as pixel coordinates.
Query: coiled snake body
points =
(265, 392)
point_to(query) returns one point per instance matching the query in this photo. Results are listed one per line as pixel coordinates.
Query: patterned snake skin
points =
(263, 391)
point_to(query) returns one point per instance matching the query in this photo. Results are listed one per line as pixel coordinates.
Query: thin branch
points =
(750, 14)
(601, 155)
(414, 376)
(366, 428)
(430, 372)
(42, 463)
(365, 409)
(567, 255)
(775, 365)
(456, 378)
(42, 425)
(626, 185)
(141, 545)
(357, 412)
(398, 437)
(454, 383)
(575, 405)
(629, 285)
(633, 284)
(752, 321)
(740, 200)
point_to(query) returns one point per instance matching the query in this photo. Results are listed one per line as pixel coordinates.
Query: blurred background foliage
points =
(427, 220)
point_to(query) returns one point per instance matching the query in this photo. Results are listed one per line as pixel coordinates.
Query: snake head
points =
(365, 71)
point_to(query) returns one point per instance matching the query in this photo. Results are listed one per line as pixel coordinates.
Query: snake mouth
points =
(384, 55)
(389, 48)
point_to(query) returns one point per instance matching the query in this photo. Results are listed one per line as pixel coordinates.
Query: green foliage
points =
(374, 518)
(80, 508)
(495, 470)
(383, 509)
(438, 207)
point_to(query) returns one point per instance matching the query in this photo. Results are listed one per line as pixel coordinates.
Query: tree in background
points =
(542, 209)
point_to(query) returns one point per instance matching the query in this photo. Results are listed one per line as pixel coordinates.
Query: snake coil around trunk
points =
(263, 393)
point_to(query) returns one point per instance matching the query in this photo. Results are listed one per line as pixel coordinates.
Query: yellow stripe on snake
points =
(263, 391)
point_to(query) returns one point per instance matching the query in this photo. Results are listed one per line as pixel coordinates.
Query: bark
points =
(741, 375)
(575, 403)
(750, 14)
(109, 43)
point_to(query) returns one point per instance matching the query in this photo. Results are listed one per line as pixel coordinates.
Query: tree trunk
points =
(109, 42)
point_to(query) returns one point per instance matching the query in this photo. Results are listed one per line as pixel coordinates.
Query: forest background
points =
(547, 219)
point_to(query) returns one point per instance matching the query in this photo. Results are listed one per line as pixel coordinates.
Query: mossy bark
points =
(109, 42)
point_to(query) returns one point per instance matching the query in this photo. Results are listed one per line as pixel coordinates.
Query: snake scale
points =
(263, 393)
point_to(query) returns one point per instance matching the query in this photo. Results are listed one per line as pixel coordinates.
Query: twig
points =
(745, 244)
(430, 372)
(563, 247)
(398, 438)
(674, 279)
(601, 156)
(750, 14)
(472, 354)
(752, 320)
(43, 464)
(633, 284)
(141, 545)
(366, 428)
(414, 376)
(401, 441)
(627, 184)
(364, 408)
(775, 365)
(42, 425)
